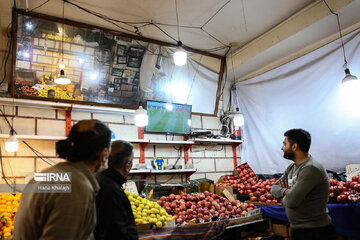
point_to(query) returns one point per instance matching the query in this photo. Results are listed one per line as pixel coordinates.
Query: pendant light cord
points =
(177, 20)
(341, 37)
(63, 32)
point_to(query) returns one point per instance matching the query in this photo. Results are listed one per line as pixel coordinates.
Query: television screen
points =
(168, 118)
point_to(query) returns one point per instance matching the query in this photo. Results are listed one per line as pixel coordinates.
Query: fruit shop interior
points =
(210, 151)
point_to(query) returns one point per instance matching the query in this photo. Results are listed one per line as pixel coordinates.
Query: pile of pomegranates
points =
(343, 192)
(203, 207)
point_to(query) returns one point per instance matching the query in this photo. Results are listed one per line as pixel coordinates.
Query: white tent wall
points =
(303, 93)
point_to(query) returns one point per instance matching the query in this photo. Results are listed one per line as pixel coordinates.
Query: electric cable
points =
(40, 5)
(4, 176)
(36, 152)
(341, 36)
(156, 25)
(10, 47)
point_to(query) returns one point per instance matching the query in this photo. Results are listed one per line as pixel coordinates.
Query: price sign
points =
(352, 170)
(131, 187)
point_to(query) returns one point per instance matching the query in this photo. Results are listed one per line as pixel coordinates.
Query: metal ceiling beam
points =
(294, 24)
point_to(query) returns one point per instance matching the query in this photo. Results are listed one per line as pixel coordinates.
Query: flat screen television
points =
(168, 118)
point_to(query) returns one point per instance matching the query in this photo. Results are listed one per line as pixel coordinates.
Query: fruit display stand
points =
(344, 217)
(206, 230)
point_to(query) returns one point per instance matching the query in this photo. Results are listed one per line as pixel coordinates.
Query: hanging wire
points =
(40, 5)
(193, 80)
(157, 25)
(63, 32)
(341, 37)
(215, 13)
(177, 20)
(243, 10)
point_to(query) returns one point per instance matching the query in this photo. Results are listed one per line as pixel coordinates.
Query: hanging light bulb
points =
(11, 144)
(180, 55)
(238, 119)
(62, 64)
(349, 81)
(63, 80)
(141, 117)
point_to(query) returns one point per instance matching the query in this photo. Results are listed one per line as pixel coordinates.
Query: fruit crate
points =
(251, 216)
(265, 204)
(220, 186)
(159, 190)
(245, 173)
(199, 185)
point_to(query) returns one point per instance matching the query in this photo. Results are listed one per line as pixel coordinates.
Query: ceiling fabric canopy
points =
(304, 93)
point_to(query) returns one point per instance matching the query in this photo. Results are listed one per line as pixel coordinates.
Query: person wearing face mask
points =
(304, 188)
(67, 215)
(114, 213)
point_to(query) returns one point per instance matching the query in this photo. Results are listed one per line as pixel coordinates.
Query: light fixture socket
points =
(12, 144)
(63, 80)
(348, 77)
(141, 117)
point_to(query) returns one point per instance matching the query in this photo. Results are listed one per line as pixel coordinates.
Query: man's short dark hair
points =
(299, 136)
(120, 153)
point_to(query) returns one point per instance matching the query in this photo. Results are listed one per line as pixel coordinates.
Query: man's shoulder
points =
(313, 164)
(107, 183)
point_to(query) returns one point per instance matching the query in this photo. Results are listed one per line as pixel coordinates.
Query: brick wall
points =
(211, 161)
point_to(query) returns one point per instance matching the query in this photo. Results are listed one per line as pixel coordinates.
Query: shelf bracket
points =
(142, 145)
(234, 146)
(68, 120)
(186, 155)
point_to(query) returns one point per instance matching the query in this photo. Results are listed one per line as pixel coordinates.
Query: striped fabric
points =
(201, 231)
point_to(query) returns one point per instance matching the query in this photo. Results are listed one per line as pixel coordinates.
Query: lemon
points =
(159, 224)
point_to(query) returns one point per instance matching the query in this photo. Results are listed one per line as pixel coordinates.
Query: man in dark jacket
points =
(115, 219)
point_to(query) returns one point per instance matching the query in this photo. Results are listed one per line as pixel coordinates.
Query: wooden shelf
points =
(135, 141)
(216, 141)
(157, 142)
(34, 137)
(146, 172)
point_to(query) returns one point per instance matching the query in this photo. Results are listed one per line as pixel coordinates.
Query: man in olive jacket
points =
(115, 219)
(304, 188)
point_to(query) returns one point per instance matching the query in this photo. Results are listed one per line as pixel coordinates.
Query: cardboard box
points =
(281, 230)
(219, 190)
(144, 227)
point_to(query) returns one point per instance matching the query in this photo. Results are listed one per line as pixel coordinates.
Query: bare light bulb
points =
(12, 144)
(180, 55)
(62, 65)
(141, 117)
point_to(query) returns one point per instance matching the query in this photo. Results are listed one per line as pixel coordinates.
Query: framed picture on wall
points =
(134, 62)
(125, 80)
(121, 50)
(121, 60)
(117, 80)
(136, 52)
(103, 56)
(135, 88)
(137, 75)
(117, 72)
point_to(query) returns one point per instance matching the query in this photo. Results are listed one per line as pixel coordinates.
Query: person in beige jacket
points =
(69, 215)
